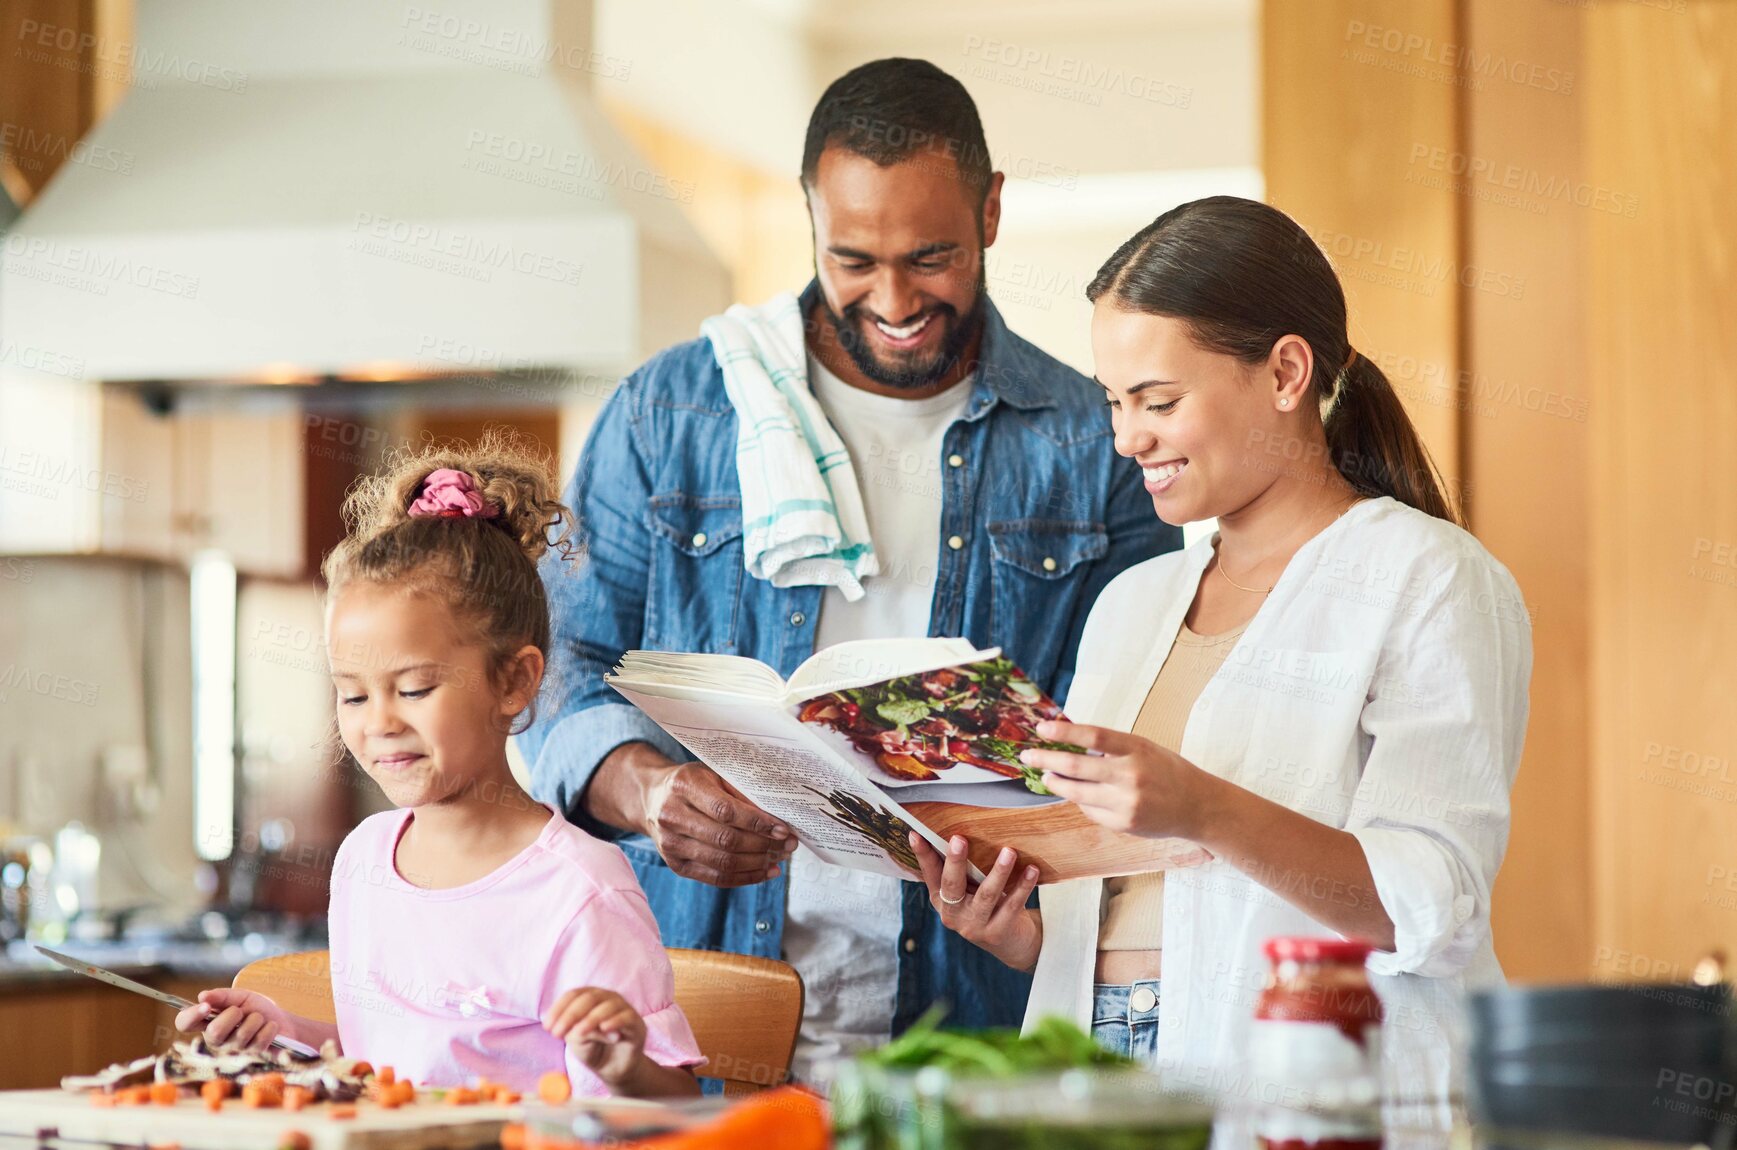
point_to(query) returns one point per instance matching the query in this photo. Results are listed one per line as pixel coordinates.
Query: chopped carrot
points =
(505, 1096)
(341, 1112)
(165, 1093)
(386, 1076)
(102, 1099)
(218, 1088)
(271, 1081)
(554, 1088)
(363, 1069)
(463, 1096)
(296, 1097)
(389, 1100)
(259, 1094)
(404, 1091)
(133, 1096)
(513, 1136)
(786, 1116)
(214, 1102)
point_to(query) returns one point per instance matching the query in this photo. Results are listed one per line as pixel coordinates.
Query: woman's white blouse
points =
(1382, 688)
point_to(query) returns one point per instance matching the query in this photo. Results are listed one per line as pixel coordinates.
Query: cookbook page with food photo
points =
(871, 740)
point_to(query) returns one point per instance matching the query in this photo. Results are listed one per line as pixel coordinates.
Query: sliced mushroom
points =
(135, 1073)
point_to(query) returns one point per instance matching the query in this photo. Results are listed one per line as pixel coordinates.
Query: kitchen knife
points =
(125, 983)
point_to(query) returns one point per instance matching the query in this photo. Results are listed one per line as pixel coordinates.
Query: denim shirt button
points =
(1049, 562)
(700, 539)
(797, 618)
(910, 946)
(955, 542)
(955, 460)
(762, 926)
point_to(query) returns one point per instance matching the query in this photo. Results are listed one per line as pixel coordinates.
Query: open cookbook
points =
(872, 739)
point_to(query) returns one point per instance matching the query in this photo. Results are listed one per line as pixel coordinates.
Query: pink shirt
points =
(446, 986)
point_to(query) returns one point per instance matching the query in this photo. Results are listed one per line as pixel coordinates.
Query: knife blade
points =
(79, 966)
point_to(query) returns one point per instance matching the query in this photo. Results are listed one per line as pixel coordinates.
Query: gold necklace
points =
(1269, 590)
(1239, 586)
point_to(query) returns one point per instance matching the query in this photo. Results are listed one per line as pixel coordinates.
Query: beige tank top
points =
(1133, 905)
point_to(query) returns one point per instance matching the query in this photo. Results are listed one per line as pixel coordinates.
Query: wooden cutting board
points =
(418, 1126)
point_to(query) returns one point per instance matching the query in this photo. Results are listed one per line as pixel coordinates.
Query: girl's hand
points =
(994, 916)
(1134, 786)
(606, 1034)
(243, 1017)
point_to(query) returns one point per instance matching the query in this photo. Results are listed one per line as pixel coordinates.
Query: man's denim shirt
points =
(1029, 480)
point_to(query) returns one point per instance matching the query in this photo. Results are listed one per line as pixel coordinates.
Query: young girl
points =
(1329, 693)
(474, 932)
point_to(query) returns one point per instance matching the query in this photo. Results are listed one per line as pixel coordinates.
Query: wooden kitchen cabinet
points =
(239, 488)
(166, 487)
(70, 1029)
(48, 1031)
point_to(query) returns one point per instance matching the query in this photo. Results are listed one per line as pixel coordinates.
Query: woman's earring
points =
(1284, 403)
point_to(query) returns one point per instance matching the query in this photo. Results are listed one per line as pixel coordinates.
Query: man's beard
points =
(909, 371)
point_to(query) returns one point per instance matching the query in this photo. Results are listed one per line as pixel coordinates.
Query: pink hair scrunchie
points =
(449, 494)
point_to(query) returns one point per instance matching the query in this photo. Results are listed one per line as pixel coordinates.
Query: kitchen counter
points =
(22, 969)
(78, 1025)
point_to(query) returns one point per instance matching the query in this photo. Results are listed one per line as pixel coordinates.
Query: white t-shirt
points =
(842, 926)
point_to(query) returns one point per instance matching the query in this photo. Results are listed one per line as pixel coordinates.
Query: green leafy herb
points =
(903, 712)
(1054, 1043)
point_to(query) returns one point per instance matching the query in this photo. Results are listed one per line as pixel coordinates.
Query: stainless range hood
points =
(356, 189)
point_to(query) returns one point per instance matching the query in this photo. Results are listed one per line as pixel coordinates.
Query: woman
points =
(1329, 694)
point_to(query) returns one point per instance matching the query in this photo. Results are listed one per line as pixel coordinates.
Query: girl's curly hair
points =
(483, 569)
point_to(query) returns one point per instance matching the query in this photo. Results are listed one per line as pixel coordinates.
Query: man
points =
(996, 508)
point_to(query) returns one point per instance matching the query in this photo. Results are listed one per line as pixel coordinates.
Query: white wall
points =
(1103, 113)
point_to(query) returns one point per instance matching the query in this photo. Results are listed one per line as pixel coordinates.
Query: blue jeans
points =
(1119, 1027)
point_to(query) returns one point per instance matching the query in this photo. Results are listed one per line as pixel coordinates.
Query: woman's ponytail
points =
(1373, 444)
(1243, 275)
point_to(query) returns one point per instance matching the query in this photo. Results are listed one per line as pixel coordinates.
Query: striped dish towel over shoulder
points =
(802, 515)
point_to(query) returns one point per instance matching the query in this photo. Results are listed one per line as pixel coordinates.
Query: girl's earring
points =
(1284, 403)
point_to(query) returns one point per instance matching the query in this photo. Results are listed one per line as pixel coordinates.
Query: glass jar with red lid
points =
(1316, 1047)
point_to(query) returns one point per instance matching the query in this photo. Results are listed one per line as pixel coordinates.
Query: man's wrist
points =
(618, 792)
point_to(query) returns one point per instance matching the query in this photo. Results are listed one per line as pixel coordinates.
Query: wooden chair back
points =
(301, 983)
